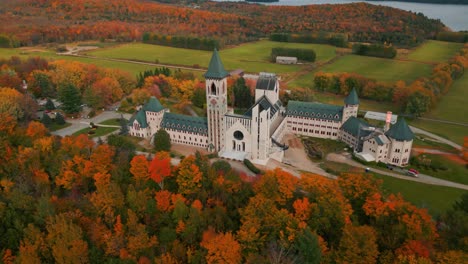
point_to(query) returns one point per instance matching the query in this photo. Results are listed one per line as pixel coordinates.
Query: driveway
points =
(80, 123)
(422, 178)
(434, 136)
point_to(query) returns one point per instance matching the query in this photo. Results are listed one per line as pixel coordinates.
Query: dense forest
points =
(71, 200)
(31, 22)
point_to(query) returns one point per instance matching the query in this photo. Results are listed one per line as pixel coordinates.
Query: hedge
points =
(301, 54)
(251, 167)
(375, 50)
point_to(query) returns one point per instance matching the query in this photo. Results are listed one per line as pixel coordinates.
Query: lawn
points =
(252, 57)
(454, 171)
(435, 51)
(385, 70)
(54, 126)
(111, 122)
(437, 199)
(99, 132)
(131, 68)
(452, 107)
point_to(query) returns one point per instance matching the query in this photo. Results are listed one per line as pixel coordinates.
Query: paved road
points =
(78, 124)
(441, 139)
(421, 177)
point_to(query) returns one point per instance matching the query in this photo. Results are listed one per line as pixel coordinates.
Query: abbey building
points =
(258, 134)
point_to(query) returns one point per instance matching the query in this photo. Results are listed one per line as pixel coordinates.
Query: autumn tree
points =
(189, 177)
(162, 141)
(222, 248)
(10, 102)
(160, 168)
(358, 245)
(397, 221)
(328, 202)
(277, 185)
(65, 240)
(139, 168)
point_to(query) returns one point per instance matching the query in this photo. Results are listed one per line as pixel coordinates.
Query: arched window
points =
(213, 89)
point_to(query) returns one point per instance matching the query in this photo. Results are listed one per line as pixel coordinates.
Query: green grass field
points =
(435, 51)
(252, 57)
(452, 107)
(385, 70)
(132, 68)
(437, 199)
(99, 132)
(454, 172)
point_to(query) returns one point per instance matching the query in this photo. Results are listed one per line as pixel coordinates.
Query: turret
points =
(351, 105)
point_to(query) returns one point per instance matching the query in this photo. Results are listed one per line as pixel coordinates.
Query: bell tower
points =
(351, 105)
(216, 101)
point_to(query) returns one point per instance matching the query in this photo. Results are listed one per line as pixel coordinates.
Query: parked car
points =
(412, 172)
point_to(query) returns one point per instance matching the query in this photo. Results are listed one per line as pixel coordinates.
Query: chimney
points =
(388, 119)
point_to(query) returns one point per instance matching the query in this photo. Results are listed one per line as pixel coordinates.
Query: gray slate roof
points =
(216, 68)
(315, 110)
(400, 131)
(266, 81)
(351, 126)
(264, 104)
(153, 105)
(352, 98)
(185, 123)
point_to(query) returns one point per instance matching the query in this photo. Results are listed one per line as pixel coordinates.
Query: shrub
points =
(251, 167)
(375, 50)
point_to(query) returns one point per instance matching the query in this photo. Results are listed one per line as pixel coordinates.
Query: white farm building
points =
(258, 133)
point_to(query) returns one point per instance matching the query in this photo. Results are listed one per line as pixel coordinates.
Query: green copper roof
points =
(216, 69)
(351, 126)
(315, 110)
(185, 123)
(352, 98)
(153, 105)
(140, 117)
(400, 131)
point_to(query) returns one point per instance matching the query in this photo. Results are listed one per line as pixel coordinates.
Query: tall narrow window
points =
(213, 89)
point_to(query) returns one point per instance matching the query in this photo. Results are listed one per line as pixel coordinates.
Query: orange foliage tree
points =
(160, 168)
(222, 248)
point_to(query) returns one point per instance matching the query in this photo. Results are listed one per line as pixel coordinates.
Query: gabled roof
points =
(140, 117)
(352, 126)
(153, 105)
(381, 139)
(266, 81)
(352, 98)
(185, 123)
(216, 68)
(264, 104)
(400, 131)
(315, 110)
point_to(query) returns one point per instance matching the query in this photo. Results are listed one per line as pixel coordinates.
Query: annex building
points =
(258, 134)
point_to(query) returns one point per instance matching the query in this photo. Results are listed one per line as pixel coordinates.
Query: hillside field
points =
(435, 51)
(451, 107)
(251, 57)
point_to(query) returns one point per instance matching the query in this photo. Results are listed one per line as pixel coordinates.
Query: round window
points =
(238, 135)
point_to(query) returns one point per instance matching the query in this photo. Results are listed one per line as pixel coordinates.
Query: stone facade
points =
(258, 133)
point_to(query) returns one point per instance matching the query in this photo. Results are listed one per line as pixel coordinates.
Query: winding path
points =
(422, 178)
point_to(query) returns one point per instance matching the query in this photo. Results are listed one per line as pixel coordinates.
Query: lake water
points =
(453, 16)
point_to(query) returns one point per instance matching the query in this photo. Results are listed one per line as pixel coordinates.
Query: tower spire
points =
(216, 68)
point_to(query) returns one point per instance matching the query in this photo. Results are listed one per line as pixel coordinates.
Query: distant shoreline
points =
(448, 2)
